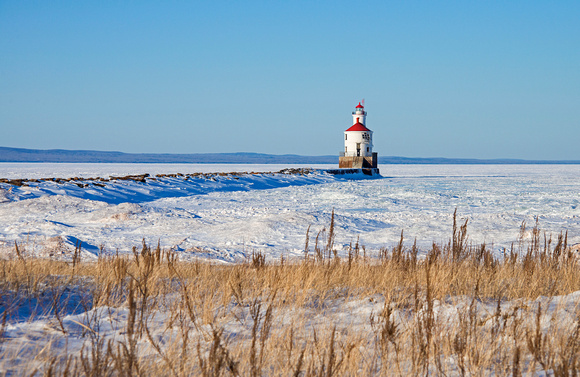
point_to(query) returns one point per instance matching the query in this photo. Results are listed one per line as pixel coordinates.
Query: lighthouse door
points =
(358, 149)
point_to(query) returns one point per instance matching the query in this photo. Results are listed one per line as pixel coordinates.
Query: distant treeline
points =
(63, 155)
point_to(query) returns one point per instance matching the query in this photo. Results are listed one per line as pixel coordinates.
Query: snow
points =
(225, 218)
(29, 341)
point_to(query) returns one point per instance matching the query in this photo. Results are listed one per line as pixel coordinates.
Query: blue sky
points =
(490, 79)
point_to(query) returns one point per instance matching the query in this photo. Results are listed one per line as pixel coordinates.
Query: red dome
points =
(358, 126)
(359, 106)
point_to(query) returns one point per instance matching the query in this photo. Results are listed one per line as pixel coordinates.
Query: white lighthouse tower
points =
(359, 114)
(358, 143)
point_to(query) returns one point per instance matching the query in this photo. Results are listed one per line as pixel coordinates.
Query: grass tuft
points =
(457, 310)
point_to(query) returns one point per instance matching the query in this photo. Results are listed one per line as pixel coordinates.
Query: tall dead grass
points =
(402, 313)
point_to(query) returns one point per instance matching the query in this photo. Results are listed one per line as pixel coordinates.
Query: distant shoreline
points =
(15, 155)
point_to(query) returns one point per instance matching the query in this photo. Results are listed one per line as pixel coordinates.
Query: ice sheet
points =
(226, 219)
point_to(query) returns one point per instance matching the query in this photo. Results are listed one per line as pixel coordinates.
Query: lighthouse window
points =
(345, 137)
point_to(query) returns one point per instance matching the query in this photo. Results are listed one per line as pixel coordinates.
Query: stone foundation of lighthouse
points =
(358, 162)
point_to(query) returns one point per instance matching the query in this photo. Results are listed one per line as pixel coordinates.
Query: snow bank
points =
(226, 217)
(145, 188)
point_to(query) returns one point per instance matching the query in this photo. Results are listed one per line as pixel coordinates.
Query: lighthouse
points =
(358, 144)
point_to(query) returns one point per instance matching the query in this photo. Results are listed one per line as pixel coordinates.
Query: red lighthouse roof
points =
(359, 106)
(358, 126)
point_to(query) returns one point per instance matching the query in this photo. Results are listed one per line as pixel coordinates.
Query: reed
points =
(456, 309)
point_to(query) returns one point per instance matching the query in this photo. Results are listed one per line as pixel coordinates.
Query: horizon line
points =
(7, 154)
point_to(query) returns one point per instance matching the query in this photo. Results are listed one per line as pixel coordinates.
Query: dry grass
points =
(307, 317)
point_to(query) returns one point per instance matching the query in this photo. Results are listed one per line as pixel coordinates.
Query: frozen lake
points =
(228, 219)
